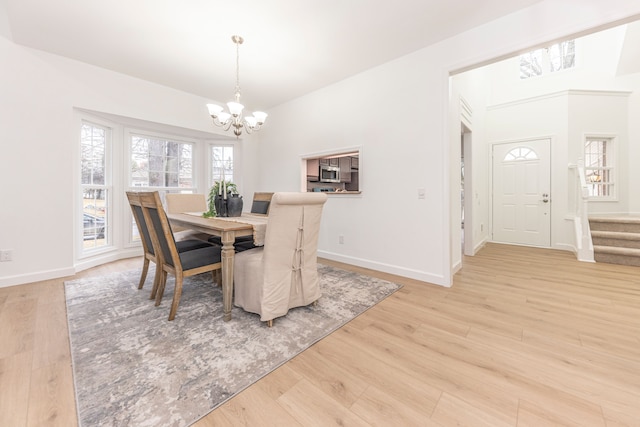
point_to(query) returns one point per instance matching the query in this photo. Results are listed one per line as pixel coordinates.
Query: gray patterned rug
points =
(132, 367)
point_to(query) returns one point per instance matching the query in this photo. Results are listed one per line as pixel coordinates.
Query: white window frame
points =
(195, 154)
(612, 160)
(108, 185)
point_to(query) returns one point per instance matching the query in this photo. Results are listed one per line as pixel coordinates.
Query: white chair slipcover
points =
(282, 274)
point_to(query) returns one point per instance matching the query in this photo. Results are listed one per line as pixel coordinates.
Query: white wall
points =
(383, 225)
(633, 159)
(539, 118)
(560, 106)
(604, 114)
(397, 112)
(566, 118)
(472, 87)
(596, 70)
(39, 139)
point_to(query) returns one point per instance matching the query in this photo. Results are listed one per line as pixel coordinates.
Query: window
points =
(531, 64)
(160, 164)
(519, 154)
(560, 56)
(95, 187)
(599, 167)
(221, 163)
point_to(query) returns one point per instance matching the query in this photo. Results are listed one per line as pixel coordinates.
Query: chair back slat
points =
(143, 229)
(154, 214)
(160, 228)
(141, 223)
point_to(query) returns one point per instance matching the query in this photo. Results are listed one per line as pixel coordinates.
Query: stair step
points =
(617, 255)
(612, 258)
(617, 219)
(629, 224)
(615, 238)
(622, 235)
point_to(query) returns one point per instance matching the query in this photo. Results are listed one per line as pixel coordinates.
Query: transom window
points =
(520, 154)
(559, 56)
(599, 166)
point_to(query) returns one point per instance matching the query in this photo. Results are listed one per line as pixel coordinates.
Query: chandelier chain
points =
(238, 70)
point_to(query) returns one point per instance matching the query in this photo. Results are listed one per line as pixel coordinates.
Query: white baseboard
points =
(386, 268)
(108, 257)
(38, 276)
(479, 246)
(456, 267)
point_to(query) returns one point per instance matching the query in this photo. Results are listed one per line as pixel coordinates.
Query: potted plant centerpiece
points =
(224, 200)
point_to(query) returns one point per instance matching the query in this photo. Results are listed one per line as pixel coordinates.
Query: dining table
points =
(228, 228)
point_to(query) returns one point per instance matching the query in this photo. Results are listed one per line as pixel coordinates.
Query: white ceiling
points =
(292, 47)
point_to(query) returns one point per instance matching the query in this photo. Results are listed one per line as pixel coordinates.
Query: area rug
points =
(132, 367)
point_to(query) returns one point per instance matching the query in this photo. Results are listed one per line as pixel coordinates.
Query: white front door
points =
(521, 193)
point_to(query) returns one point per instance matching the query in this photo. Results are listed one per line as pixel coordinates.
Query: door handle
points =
(545, 198)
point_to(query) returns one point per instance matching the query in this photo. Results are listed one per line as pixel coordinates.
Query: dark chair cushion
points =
(189, 245)
(217, 240)
(199, 257)
(260, 207)
(243, 246)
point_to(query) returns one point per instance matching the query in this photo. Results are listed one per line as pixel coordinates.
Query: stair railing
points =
(584, 244)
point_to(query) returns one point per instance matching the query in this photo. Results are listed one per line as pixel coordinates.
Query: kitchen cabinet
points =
(355, 163)
(313, 170)
(345, 169)
(333, 161)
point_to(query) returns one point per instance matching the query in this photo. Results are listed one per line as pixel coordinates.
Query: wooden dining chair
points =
(147, 244)
(180, 203)
(282, 274)
(261, 203)
(179, 264)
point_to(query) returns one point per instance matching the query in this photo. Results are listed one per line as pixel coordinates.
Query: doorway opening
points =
(466, 191)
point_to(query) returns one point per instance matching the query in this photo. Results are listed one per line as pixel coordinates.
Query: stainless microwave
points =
(329, 173)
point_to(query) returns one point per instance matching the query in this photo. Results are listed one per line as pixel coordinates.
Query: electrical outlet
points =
(6, 255)
(422, 193)
(341, 239)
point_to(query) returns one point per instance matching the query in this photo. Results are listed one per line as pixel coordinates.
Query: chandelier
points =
(234, 117)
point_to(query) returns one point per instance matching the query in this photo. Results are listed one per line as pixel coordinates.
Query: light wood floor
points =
(525, 337)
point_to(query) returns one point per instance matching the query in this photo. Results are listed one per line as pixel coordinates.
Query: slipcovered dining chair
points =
(259, 206)
(147, 244)
(179, 203)
(282, 274)
(179, 264)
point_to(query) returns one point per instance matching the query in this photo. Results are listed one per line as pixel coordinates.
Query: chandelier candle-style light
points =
(234, 117)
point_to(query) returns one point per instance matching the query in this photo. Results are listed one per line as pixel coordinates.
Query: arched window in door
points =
(520, 153)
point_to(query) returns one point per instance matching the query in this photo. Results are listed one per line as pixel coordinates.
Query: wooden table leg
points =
(228, 252)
